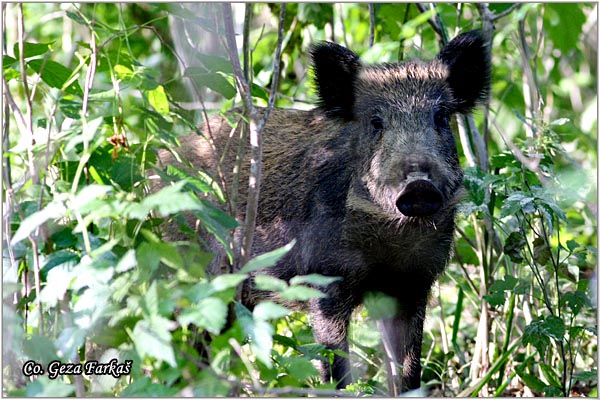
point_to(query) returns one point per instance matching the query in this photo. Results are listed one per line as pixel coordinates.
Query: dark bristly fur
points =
(367, 184)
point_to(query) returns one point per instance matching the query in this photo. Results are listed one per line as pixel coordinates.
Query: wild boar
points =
(367, 184)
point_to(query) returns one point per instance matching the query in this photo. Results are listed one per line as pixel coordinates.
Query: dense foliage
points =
(92, 91)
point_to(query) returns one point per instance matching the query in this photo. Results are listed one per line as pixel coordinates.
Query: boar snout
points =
(420, 198)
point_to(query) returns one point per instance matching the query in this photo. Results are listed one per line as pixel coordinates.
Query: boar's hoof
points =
(420, 198)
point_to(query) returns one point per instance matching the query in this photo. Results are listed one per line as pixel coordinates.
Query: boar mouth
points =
(420, 198)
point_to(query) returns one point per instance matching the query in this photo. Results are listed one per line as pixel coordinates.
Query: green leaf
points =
(210, 313)
(150, 301)
(215, 63)
(7, 61)
(554, 327)
(586, 375)
(300, 293)
(87, 194)
(572, 245)
(32, 49)
(154, 340)
(314, 279)
(269, 283)
(54, 210)
(495, 299)
(144, 387)
(575, 300)
(199, 180)
(169, 200)
(532, 381)
(60, 257)
(46, 387)
(301, 368)
(557, 17)
(517, 201)
(540, 330)
(207, 385)
(56, 75)
(158, 99)
(269, 310)
(260, 334)
(211, 80)
(267, 259)
(550, 375)
(224, 282)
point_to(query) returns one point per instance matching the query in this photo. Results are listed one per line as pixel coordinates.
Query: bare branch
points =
(256, 125)
(436, 23)
(504, 13)
(371, 24)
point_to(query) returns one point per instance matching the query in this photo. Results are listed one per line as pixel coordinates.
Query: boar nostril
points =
(420, 198)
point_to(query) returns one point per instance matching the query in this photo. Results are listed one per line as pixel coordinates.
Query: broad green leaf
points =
(169, 200)
(550, 375)
(150, 300)
(210, 313)
(127, 262)
(226, 281)
(269, 283)
(55, 209)
(575, 300)
(32, 49)
(586, 375)
(87, 194)
(301, 368)
(532, 381)
(541, 251)
(557, 17)
(144, 387)
(60, 257)
(58, 280)
(267, 259)
(314, 279)
(208, 385)
(158, 99)
(7, 61)
(269, 310)
(300, 293)
(211, 80)
(554, 327)
(154, 340)
(260, 333)
(46, 387)
(56, 75)
(215, 63)
(199, 181)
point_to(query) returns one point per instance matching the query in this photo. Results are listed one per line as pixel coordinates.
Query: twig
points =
(504, 13)
(436, 23)
(372, 24)
(344, 36)
(256, 124)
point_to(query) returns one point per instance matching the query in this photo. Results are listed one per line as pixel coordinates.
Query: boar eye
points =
(377, 123)
(441, 119)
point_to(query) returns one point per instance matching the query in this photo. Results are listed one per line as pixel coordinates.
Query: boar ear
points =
(335, 69)
(467, 57)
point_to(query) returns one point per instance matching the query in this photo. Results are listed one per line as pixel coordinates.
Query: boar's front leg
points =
(330, 320)
(402, 336)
